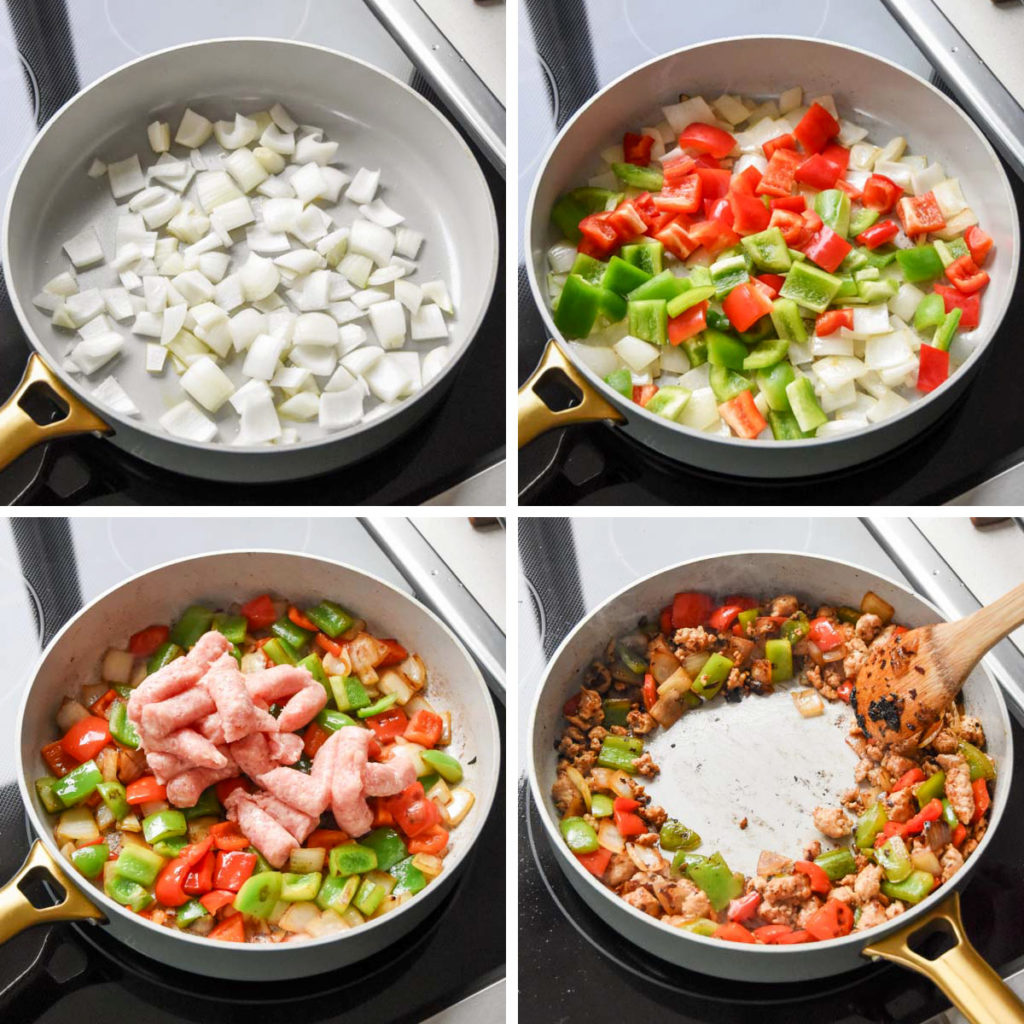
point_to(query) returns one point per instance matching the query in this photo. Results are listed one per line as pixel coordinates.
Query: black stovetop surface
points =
(51, 48)
(78, 974)
(570, 50)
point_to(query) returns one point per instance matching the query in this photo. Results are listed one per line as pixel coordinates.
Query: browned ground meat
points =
(620, 868)
(784, 605)
(693, 641)
(645, 766)
(598, 677)
(868, 884)
(868, 627)
(952, 861)
(643, 900)
(654, 816)
(832, 822)
(590, 711)
(971, 729)
(640, 722)
(944, 742)
(897, 765)
(682, 898)
(958, 785)
(901, 805)
(567, 797)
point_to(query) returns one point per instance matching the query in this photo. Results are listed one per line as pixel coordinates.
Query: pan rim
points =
(771, 444)
(864, 938)
(152, 429)
(45, 835)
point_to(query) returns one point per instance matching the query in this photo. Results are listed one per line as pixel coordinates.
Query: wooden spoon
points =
(906, 683)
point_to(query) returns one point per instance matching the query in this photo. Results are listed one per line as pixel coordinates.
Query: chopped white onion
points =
(434, 362)
(259, 277)
(314, 148)
(282, 118)
(156, 356)
(95, 351)
(388, 321)
(125, 176)
(213, 188)
(350, 336)
(339, 409)
(118, 302)
(428, 323)
(320, 361)
(437, 292)
(193, 130)
(65, 283)
(84, 249)
(262, 356)
(334, 246)
(207, 383)
(83, 306)
(315, 329)
(97, 169)
(408, 243)
(364, 186)
(159, 133)
(362, 359)
(245, 169)
(380, 213)
(281, 214)
(237, 133)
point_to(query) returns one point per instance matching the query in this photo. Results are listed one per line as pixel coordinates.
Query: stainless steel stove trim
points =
(484, 488)
(476, 107)
(975, 86)
(487, 1004)
(929, 573)
(1005, 488)
(444, 594)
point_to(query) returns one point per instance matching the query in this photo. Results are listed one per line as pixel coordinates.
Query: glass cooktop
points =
(570, 50)
(48, 51)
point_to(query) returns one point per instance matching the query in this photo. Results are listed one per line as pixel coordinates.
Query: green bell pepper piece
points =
(259, 894)
(662, 286)
(684, 860)
(702, 926)
(724, 350)
(878, 258)
(787, 321)
(832, 205)
(794, 630)
(618, 276)
(601, 805)
(300, 888)
(711, 677)
(773, 382)
(784, 426)
(780, 654)
(163, 655)
(894, 859)
(336, 893)
(933, 787)
(313, 664)
(262, 864)
(869, 292)
(847, 614)
(930, 312)
(189, 913)
(696, 350)
(122, 690)
(408, 877)
(727, 273)
(444, 764)
(810, 286)
(115, 797)
(578, 306)
(611, 305)
(330, 618)
(766, 353)
(90, 859)
(388, 845)
(617, 757)
(761, 330)
(836, 863)
(590, 269)
(351, 859)
(333, 720)
(719, 321)
(369, 897)
(862, 220)
(233, 627)
(47, 797)
(647, 179)
(127, 892)
(121, 727)
(280, 652)
(648, 319)
(378, 706)
(804, 404)
(194, 622)
(982, 766)
(847, 289)
(171, 846)
(950, 252)
(615, 711)
(138, 864)
(79, 783)
(948, 814)
(911, 889)
(674, 835)
(668, 402)
(855, 259)
(869, 824)
(571, 208)
(349, 693)
(630, 659)
(719, 883)
(922, 263)
(768, 250)
(727, 383)
(294, 636)
(747, 617)
(621, 380)
(578, 835)
(647, 256)
(163, 825)
(946, 331)
(689, 298)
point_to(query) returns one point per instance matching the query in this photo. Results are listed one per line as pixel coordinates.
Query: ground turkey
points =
(783, 899)
(567, 797)
(643, 900)
(694, 640)
(901, 805)
(958, 785)
(868, 884)
(868, 627)
(620, 869)
(871, 913)
(832, 822)
(952, 861)
(682, 898)
(784, 605)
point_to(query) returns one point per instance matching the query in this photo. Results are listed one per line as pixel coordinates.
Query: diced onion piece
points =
(282, 118)
(300, 262)
(311, 225)
(319, 360)
(234, 135)
(47, 301)
(340, 380)
(872, 604)
(207, 383)
(213, 188)
(281, 214)
(409, 295)
(333, 246)
(300, 917)
(260, 240)
(97, 168)
(369, 297)
(271, 162)
(63, 284)
(227, 292)
(245, 169)
(276, 187)
(159, 133)
(308, 182)
(184, 420)
(408, 243)
(263, 354)
(235, 213)
(388, 322)
(636, 353)
(339, 409)
(156, 356)
(428, 323)
(380, 213)
(313, 148)
(118, 302)
(889, 404)
(335, 181)
(249, 391)
(356, 268)
(84, 249)
(362, 360)
(434, 362)
(193, 287)
(950, 197)
(808, 703)
(388, 378)
(258, 420)
(291, 378)
(159, 213)
(214, 265)
(364, 186)
(125, 176)
(301, 406)
(259, 277)
(110, 393)
(371, 240)
(95, 351)
(277, 141)
(189, 224)
(461, 803)
(193, 130)
(350, 336)
(303, 861)
(888, 350)
(926, 180)
(437, 292)
(76, 825)
(316, 329)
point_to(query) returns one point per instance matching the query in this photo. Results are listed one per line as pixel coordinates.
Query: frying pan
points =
(760, 760)
(869, 90)
(158, 595)
(428, 173)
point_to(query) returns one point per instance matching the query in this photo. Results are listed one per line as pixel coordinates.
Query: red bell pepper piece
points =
(314, 738)
(650, 691)
(200, 876)
(843, 691)
(931, 811)
(910, 778)
(169, 888)
(831, 921)
(598, 234)
(57, 759)
(625, 220)
(819, 880)
(425, 727)
(690, 322)
(933, 368)
(389, 724)
(920, 214)
(969, 305)
(232, 869)
(145, 790)
(101, 704)
(433, 841)
(966, 275)
(715, 181)
(259, 612)
(677, 168)
(689, 609)
(825, 634)
(790, 223)
(796, 204)
(731, 931)
(878, 234)
(744, 908)
(746, 182)
(723, 617)
(195, 852)
(772, 281)
(231, 929)
(300, 620)
(228, 838)
(816, 128)
(889, 829)
(959, 835)
(745, 305)
(676, 239)
(596, 862)
(713, 235)
(831, 320)
(665, 620)
(706, 138)
(324, 642)
(213, 901)
(685, 196)
(982, 800)
(86, 738)
(326, 838)
(719, 210)
(838, 156)
(412, 812)
(637, 148)
(827, 248)
(742, 415)
(749, 214)
(769, 934)
(794, 937)
(226, 786)
(979, 243)
(786, 141)
(146, 641)
(643, 393)
(855, 194)
(743, 600)
(396, 653)
(818, 172)
(881, 193)
(628, 823)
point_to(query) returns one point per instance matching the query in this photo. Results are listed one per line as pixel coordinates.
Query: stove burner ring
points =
(16, 147)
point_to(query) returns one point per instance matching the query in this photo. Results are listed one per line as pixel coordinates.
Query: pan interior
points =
(427, 174)
(757, 761)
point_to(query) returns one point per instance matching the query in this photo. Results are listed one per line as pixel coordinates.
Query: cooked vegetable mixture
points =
(902, 830)
(781, 281)
(256, 774)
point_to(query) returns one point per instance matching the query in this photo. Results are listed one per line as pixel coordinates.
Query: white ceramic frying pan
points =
(428, 173)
